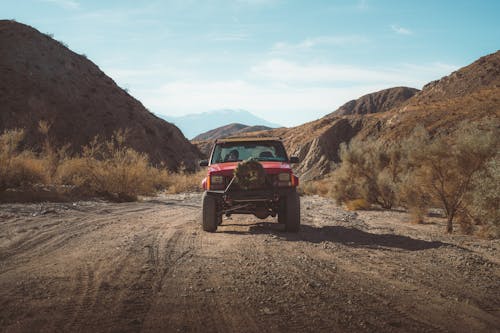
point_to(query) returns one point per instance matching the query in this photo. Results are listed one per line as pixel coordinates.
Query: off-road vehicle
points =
(250, 176)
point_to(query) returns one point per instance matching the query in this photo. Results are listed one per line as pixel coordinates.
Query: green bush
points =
(458, 173)
(369, 171)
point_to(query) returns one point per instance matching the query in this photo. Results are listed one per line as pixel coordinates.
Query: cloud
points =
(139, 74)
(310, 43)
(66, 4)
(362, 5)
(281, 91)
(280, 70)
(229, 37)
(400, 30)
(257, 2)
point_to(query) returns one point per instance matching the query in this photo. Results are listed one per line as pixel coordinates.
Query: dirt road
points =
(147, 266)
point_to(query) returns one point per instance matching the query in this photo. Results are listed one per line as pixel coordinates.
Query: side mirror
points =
(203, 163)
(294, 159)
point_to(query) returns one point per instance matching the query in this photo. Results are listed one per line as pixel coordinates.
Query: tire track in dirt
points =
(160, 255)
(84, 295)
(149, 267)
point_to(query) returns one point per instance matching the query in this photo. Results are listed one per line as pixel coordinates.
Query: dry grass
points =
(184, 182)
(320, 187)
(357, 204)
(106, 168)
(18, 169)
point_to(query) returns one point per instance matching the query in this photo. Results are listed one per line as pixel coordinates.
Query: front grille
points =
(271, 181)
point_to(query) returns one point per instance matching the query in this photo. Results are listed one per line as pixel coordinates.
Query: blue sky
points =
(286, 61)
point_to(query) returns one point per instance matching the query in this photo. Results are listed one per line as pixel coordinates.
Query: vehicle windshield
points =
(240, 151)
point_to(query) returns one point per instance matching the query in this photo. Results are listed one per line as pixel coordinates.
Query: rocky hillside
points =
(41, 79)
(470, 94)
(229, 130)
(380, 101)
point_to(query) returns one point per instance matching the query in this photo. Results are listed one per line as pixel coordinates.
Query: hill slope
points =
(380, 101)
(229, 130)
(41, 79)
(470, 94)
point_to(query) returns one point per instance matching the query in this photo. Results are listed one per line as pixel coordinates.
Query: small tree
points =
(446, 169)
(369, 171)
(482, 204)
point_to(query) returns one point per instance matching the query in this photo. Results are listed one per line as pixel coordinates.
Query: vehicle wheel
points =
(282, 211)
(210, 218)
(292, 212)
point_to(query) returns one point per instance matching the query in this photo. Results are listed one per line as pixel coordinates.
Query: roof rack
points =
(246, 139)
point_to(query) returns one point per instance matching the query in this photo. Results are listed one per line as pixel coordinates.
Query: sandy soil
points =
(147, 266)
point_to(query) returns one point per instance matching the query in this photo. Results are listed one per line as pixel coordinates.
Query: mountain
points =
(316, 143)
(194, 124)
(470, 94)
(380, 101)
(229, 130)
(41, 79)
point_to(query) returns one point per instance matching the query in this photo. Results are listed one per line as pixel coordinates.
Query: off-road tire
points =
(210, 218)
(282, 211)
(289, 212)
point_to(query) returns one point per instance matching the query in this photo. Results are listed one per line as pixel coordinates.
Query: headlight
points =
(216, 179)
(284, 177)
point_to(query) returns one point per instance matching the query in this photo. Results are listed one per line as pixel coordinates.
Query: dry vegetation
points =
(105, 168)
(459, 174)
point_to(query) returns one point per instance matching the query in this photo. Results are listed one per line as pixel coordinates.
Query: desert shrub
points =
(446, 168)
(111, 169)
(26, 170)
(119, 172)
(414, 198)
(482, 204)
(316, 187)
(18, 168)
(51, 156)
(357, 204)
(9, 142)
(106, 167)
(458, 173)
(183, 181)
(370, 171)
(75, 171)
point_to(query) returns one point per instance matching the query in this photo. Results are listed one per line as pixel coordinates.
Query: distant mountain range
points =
(229, 130)
(194, 124)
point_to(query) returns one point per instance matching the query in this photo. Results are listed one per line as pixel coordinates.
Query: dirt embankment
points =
(147, 266)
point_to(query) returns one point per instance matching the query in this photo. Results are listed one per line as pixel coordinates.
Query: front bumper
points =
(273, 194)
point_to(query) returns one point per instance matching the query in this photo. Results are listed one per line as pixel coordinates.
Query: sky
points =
(286, 61)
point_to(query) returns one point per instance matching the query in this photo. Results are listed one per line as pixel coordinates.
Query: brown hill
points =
(41, 79)
(380, 101)
(470, 94)
(316, 143)
(228, 130)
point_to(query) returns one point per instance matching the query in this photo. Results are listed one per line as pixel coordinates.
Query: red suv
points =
(250, 176)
